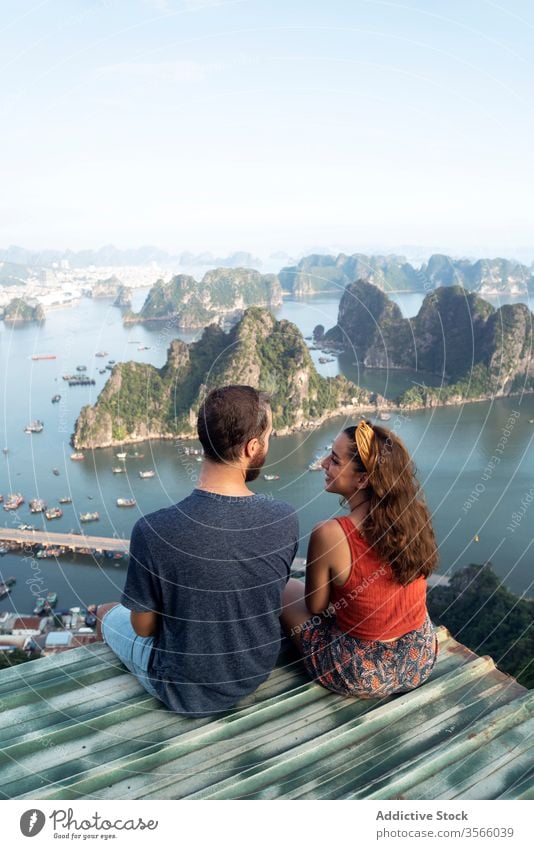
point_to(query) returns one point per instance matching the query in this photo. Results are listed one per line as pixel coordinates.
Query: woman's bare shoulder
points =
(328, 530)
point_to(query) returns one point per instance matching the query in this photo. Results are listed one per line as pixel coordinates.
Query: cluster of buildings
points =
(60, 285)
(40, 636)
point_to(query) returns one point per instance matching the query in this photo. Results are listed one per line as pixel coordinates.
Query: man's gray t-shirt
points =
(215, 567)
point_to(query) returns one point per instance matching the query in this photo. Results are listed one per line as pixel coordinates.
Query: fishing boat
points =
(118, 470)
(121, 456)
(54, 513)
(126, 502)
(65, 499)
(13, 501)
(109, 368)
(25, 527)
(143, 348)
(89, 517)
(101, 354)
(271, 477)
(101, 370)
(81, 368)
(5, 450)
(5, 586)
(56, 399)
(111, 362)
(135, 455)
(55, 472)
(37, 505)
(77, 456)
(81, 381)
(324, 360)
(149, 473)
(43, 356)
(34, 427)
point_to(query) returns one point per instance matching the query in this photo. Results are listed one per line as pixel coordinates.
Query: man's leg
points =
(134, 651)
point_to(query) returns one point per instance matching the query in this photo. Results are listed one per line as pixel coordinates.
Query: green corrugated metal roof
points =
(77, 725)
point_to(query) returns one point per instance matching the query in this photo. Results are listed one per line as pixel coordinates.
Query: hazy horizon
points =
(367, 125)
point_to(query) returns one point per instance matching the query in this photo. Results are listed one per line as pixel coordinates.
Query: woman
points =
(361, 621)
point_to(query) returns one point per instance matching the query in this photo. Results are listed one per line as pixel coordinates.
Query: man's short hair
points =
(228, 418)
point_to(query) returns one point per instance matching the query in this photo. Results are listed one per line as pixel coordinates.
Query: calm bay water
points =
(453, 448)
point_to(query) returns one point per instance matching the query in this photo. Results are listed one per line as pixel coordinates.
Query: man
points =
(199, 619)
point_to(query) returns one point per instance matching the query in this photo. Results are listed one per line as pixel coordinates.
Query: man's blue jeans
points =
(134, 651)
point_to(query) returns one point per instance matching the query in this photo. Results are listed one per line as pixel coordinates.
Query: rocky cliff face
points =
(221, 297)
(485, 276)
(479, 351)
(140, 401)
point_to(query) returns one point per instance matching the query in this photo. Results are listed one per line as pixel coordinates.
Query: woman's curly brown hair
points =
(398, 525)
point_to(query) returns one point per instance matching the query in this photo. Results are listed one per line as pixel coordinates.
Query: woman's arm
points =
(318, 567)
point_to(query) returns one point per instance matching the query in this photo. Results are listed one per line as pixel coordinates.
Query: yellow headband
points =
(364, 440)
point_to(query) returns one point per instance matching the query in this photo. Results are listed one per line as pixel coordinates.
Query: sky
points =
(268, 125)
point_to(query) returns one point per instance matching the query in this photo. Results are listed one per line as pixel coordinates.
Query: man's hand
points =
(144, 624)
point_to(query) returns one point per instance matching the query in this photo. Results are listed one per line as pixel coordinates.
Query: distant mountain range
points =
(325, 273)
(312, 274)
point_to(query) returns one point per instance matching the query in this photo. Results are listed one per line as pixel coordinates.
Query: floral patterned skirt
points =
(368, 669)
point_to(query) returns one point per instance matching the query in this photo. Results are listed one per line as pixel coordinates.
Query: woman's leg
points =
(294, 610)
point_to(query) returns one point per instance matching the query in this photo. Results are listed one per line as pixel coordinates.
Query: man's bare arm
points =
(144, 624)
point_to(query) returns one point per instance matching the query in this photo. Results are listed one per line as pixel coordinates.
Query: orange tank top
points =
(372, 605)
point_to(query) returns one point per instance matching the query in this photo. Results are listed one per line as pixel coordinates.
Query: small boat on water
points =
(37, 505)
(77, 456)
(13, 501)
(118, 470)
(89, 517)
(34, 427)
(111, 362)
(271, 477)
(121, 456)
(149, 473)
(43, 356)
(384, 417)
(143, 348)
(5, 450)
(126, 502)
(55, 472)
(101, 354)
(135, 455)
(56, 399)
(82, 381)
(324, 360)
(25, 527)
(101, 370)
(65, 499)
(81, 368)
(54, 513)
(5, 586)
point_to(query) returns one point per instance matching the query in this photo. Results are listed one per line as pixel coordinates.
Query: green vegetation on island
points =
(18, 310)
(487, 618)
(140, 401)
(221, 296)
(479, 351)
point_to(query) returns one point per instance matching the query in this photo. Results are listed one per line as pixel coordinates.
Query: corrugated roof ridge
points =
(404, 745)
(489, 726)
(211, 731)
(360, 726)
